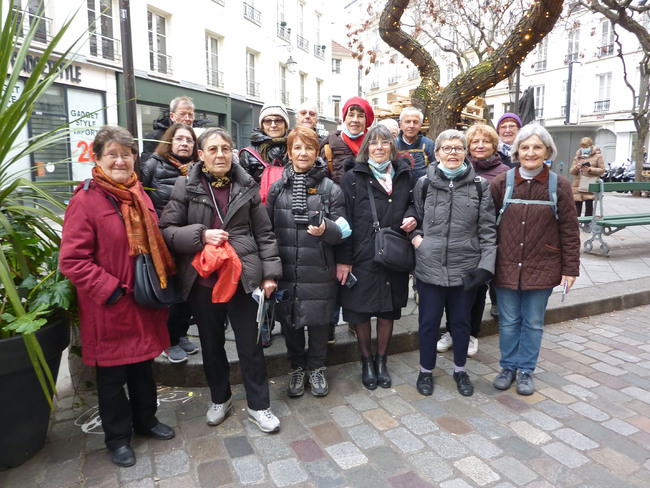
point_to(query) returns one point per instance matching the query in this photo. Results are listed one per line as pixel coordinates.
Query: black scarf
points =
(299, 197)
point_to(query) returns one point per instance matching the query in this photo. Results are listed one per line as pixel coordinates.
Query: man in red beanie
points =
(340, 147)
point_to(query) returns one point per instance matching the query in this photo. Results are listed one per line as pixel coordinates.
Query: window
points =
(450, 73)
(32, 13)
(573, 46)
(604, 92)
(490, 109)
(214, 76)
(158, 59)
(606, 39)
(284, 94)
(539, 101)
(542, 48)
(336, 66)
(280, 11)
(319, 102)
(318, 29)
(303, 82)
(393, 77)
(301, 13)
(565, 87)
(252, 88)
(336, 102)
(251, 13)
(100, 24)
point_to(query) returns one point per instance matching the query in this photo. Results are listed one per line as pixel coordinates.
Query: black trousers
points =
(294, 338)
(119, 414)
(178, 322)
(589, 208)
(210, 319)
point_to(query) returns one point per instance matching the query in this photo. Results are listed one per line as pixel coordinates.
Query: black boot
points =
(383, 378)
(368, 375)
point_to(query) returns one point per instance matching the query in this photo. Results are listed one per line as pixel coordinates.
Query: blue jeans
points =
(521, 325)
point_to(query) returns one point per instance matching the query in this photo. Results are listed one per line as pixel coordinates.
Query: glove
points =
(475, 278)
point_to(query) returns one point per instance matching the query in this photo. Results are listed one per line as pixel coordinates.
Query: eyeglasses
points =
(115, 156)
(380, 143)
(273, 121)
(186, 140)
(310, 113)
(508, 126)
(450, 149)
(182, 115)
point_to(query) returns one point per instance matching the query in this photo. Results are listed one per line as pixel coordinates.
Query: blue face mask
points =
(586, 152)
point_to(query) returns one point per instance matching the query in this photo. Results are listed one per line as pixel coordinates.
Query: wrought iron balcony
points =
(104, 47)
(160, 62)
(215, 78)
(302, 43)
(319, 51)
(252, 89)
(252, 14)
(601, 106)
(284, 32)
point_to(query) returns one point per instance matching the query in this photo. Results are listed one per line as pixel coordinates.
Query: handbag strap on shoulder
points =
(373, 209)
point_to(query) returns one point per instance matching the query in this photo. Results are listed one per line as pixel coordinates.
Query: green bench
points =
(599, 224)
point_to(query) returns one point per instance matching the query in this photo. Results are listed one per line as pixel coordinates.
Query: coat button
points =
(519, 265)
(390, 200)
(523, 222)
(388, 283)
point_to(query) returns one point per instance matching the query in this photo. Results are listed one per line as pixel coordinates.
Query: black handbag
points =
(393, 250)
(147, 291)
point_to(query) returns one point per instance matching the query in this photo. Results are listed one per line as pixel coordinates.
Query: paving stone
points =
(328, 433)
(564, 454)
(554, 409)
(614, 461)
(345, 416)
(404, 440)
(419, 424)
(625, 356)
(214, 473)
(307, 450)
(513, 469)
(596, 475)
(512, 403)
(361, 401)
(572, 345)
(530, 433)
(142, 469)
(557, 395)
(453, 425)
(171, 464)
(445, 445)
(248, 469)
(287, 472)
(432, 466)
(346, 455)
(609, 369)
(541, 420)
(365, 477)
(589, 411)
(638, 393)
(238, 446)
(499, 412)
(579, 392)
(575, 439)
(456, 483)
(365, 436)
(429, 407)
(481, 446)
(386, 460)
(381, 419)
(476, 469)
(551, 379)
(569, 336)
(487, 427)
(408, 480)
(325, 474)
(396, 406)
(271, 447)
(641, 423)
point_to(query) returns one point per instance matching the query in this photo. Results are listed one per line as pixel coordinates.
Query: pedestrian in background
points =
(455, 250)
(307, 115)
(507, 127)
(411, 141)
(108, 222)
(588, 162)
(538, 249)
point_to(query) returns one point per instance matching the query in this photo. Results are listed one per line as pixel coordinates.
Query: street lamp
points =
(291, 65)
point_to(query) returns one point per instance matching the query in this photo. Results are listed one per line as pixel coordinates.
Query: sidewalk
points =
(586, 425)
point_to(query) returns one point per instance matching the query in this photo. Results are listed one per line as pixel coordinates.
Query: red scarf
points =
(354, 144)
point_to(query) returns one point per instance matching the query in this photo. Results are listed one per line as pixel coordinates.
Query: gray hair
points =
(307, 106)
(533, 130)
(448, 135)
(113, 133)
(411, 110)
(173, 106)
(215, 131)
(390, 123)
(377, 133)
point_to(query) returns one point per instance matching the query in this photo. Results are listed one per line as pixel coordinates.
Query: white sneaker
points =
(472, 349)
(265, 420)
(217, 412)
(445, 343)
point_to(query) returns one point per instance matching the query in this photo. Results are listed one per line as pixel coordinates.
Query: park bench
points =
(599, 224)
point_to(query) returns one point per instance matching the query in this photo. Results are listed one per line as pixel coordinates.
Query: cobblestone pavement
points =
(587, 425)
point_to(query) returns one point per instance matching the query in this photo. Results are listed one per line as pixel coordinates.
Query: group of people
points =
(296, 214)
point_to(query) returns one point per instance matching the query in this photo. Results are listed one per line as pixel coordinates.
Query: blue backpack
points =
(510, 186)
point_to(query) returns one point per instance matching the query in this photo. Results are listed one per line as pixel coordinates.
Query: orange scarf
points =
(182, 167)
(141, 227)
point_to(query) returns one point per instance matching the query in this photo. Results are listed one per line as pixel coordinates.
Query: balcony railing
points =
(563, 111)
(252, 14)
(606, 50)
(104, 47)
(540, 65)
(215, 78)
(284, 96)
(319, 107)
(319, 51)
(374, 85)
(284, 32)
(220, 2)
(539, 113)
(160, 62)
(601, 106)
(25, 19)
(252, 89)
(571, 57)
(392, 79)
(302, 43)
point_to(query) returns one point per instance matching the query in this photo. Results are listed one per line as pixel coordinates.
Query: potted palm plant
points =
(35, 299)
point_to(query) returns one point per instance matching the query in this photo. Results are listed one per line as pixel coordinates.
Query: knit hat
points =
(367, 109)
(509, 115)
(274, 108)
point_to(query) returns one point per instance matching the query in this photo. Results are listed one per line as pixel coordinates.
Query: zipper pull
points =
(451, 183)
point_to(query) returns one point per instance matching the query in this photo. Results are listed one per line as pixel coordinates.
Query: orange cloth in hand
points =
(224, 260)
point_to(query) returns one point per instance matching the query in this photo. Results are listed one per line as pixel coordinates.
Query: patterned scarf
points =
(268, 144)
(142, 230)
(217, 181)
(504, 148)
(299, 197)
(182, 164)
(384, 173)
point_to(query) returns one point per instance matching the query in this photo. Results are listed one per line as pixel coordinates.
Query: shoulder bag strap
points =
(373, 209)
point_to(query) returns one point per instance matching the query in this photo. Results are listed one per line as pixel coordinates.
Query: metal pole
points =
(516, 108)
(127, 65)
(567, 118)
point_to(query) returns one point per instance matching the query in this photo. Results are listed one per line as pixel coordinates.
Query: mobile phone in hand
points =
(316, 219)
(351, 281)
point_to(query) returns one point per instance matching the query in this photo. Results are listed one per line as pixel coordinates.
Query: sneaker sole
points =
(443, 349)
(295, 395)
(175, 361)
(320, 394)
(268, 431)
(525, 393)
(471, 354)
(193, 351)
(228, 408)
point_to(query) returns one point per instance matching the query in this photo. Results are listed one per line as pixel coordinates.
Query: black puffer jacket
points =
(276, 154)
(158, 178)
(308, 264)
(190, 211)
(377, 290)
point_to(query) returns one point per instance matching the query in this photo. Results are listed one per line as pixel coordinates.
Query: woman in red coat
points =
(119, 337)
